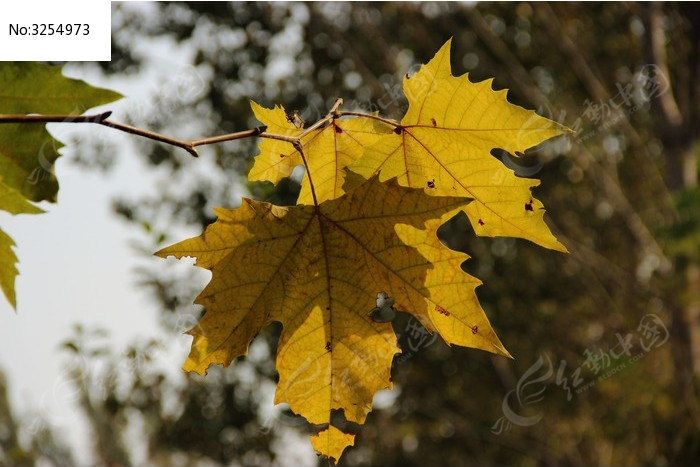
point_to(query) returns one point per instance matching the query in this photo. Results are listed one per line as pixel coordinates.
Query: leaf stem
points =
(330, 116)
(336, 105)
(372, 116)
(231, 136)
(297, 145)
(289, 139)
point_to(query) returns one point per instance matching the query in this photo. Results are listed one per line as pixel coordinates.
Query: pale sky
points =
(76, 266)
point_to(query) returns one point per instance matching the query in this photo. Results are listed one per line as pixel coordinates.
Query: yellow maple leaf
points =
(318, 270)
(327, 150)
(444, 143)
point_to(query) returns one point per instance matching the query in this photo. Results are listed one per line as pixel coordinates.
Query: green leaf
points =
(13, 202)
(8, 270)
(27, 150)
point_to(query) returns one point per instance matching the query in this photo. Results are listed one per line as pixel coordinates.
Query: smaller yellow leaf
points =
(331, 442)
(331, 150)
(277, 158)
(327, 151)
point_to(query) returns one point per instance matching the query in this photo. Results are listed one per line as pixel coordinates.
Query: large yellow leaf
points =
(445, 141)
(328, 151)
(317, 270)
(277, 158)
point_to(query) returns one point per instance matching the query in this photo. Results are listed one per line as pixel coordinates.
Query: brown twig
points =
(231, 136)
(102, 119)
(330, 116)
(186, 145)
(38, 118)
(189, 146)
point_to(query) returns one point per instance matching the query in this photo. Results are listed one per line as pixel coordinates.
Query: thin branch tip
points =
(334, 110)
(193, 152)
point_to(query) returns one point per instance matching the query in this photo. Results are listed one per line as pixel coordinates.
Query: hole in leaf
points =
(524, 165)
(384, 311)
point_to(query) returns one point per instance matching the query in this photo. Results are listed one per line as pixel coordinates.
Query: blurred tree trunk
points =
(679, 133)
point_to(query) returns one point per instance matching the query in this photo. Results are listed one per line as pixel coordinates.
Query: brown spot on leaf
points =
(398, 130)
(283, 155)
(528, 206)
(406, 76)
(337, 129)
(431, 183)
(433, 122)
(475, 329)
(441, 310)
(328, 346)
(481, 222)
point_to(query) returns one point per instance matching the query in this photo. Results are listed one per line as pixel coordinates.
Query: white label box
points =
(69, 30)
